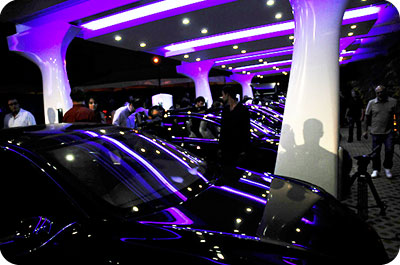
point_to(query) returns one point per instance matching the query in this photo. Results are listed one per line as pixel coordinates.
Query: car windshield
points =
(129, 170)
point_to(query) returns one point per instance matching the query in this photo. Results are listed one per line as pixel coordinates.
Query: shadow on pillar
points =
(306, 160)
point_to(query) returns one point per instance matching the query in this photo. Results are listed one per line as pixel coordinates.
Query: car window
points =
(192, 127)
(209, 129)
(177, 126)
(130, 171)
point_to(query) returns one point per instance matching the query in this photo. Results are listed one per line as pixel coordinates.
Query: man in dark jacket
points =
(235, 133)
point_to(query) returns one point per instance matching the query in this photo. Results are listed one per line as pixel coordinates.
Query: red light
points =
(156, 60)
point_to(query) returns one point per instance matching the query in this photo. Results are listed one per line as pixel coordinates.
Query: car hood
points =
(271, 215)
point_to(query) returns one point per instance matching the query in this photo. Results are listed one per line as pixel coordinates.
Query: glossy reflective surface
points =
(199, 133)
(109, 202)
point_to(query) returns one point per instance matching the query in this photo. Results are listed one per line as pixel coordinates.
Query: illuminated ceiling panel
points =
(232, 33)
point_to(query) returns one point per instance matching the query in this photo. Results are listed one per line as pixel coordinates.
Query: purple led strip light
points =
(254, 56)
(344, 42)
(122, 21)
(261, 32)
(276, 64)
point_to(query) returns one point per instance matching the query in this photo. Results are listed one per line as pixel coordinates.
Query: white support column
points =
(198, 72)
(244, 80)
(396, 4)
(309, 140)
(46, 46)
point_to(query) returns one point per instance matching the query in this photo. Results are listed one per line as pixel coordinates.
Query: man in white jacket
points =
(18, 116)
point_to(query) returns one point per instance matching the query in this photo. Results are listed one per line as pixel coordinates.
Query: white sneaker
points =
(375, 174)
(388, 173)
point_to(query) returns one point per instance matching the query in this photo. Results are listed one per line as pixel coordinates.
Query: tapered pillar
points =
(244, 80)
(309, 140)
(396, 4)
(46, 46)
(198, 72)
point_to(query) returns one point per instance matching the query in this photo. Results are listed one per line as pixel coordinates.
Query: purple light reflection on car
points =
(180, 218)
(241, 193)
(153, 170)
(180, 160)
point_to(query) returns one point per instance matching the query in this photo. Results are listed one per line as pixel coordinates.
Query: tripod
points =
(363, 182)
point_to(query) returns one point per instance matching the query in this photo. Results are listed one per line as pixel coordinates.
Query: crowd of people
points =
(377, 115)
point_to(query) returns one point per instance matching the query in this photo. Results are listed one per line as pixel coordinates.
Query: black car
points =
(266, 116)
(199, 133)
(96, 194)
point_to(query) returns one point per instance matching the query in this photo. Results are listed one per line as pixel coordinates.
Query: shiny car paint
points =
(264, 140)
(261, 219)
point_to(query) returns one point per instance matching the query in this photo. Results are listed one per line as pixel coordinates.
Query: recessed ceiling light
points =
(118, 37)
(185, 21)
(270, 2)
(243, 51)
(204, 31)
(143, 44)
(350, 34)
(235, 47)
(186, 56)
(278, 15)
(198, 59)
(353, 26)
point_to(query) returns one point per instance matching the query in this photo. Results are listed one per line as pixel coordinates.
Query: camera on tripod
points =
(363, 161)
(365, 181)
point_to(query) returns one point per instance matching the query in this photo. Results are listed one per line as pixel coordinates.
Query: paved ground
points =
(388, 226)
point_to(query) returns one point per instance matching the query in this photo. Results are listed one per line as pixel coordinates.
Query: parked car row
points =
(101, 194)
(199, 133)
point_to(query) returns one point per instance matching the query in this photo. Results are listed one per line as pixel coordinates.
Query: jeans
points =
(353, 122)
(378, 140)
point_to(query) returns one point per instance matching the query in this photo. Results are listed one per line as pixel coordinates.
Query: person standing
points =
(93, 105)
(121, 116)
(354, 115)
(140, 114)
(79, 112)
(18, 116)
(380, 113)
(235, 133)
